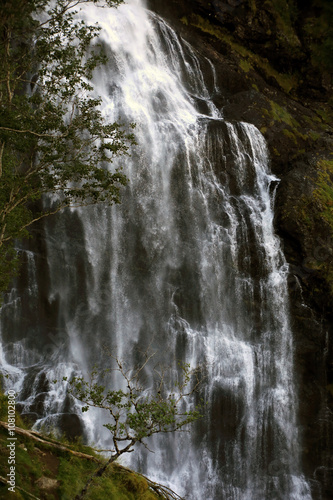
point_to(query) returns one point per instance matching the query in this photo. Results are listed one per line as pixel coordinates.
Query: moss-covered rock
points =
(305, 219)
(274, 67)
(51, 473)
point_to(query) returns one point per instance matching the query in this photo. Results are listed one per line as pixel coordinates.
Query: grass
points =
(116, 484)
(34, 460)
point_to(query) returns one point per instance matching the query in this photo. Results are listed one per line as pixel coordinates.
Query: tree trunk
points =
(98, 473)
(48, 442)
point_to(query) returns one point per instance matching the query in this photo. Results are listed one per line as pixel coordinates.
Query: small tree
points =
(136, 414)
(53, 137)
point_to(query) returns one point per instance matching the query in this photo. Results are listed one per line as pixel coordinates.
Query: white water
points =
(189, 262)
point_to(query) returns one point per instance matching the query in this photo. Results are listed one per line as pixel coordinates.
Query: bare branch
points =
(49, 442)
(53, 136)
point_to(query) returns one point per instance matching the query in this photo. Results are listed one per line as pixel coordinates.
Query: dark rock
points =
(255, 51)
(71, 425)
(29, 417)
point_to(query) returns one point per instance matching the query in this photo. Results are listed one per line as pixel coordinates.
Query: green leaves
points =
(136, 413)
(53, 138)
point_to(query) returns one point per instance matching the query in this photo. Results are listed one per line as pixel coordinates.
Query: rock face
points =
(274, 69)
(47, 484)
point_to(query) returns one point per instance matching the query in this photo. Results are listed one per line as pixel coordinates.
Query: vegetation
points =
(48, 468)
(53, 137)
(323, 194)
(285, 14)
(67, 472)
(280, 114)
(248, 59)
(320, 31)
(136, 413)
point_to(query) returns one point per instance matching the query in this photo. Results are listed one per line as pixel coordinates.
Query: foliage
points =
(35, 460)
(53, 137)
(136, 413)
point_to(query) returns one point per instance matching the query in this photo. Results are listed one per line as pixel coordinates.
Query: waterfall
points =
(188, 263)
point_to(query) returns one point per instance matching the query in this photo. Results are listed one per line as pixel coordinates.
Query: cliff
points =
(274, 68)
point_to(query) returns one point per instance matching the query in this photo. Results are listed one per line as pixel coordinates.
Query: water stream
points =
(189, 263)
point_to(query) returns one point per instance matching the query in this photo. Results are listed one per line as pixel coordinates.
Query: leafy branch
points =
(136, 413)
(53, 136)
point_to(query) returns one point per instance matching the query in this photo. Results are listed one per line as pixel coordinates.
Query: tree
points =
(136, 413)
(53, 137)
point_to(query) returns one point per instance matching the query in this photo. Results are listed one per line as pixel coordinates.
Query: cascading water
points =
(189, 262)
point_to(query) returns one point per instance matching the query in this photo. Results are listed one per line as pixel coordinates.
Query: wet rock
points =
(255, 52)
(30, 417)
(71, 425)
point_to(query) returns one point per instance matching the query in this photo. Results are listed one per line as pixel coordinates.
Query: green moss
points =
(302, 208)
(285, 81)
(311, 119)
(314, 212)
(318, 208)
(277, 113)
(4, 411)
(284, 13)
(253, 6)
(290, 135)
(245, 65)
(73, 473)
(326, 114)
(314, 135)
(120, 484)
(205, 26)
(3, 407)
(34, 460)
(320, 33)
(28, 466)
(117, 483)
(280, 114)
(184, 20)
(324, 192)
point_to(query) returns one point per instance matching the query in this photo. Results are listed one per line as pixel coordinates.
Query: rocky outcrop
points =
(274, 70)
(47, 484)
